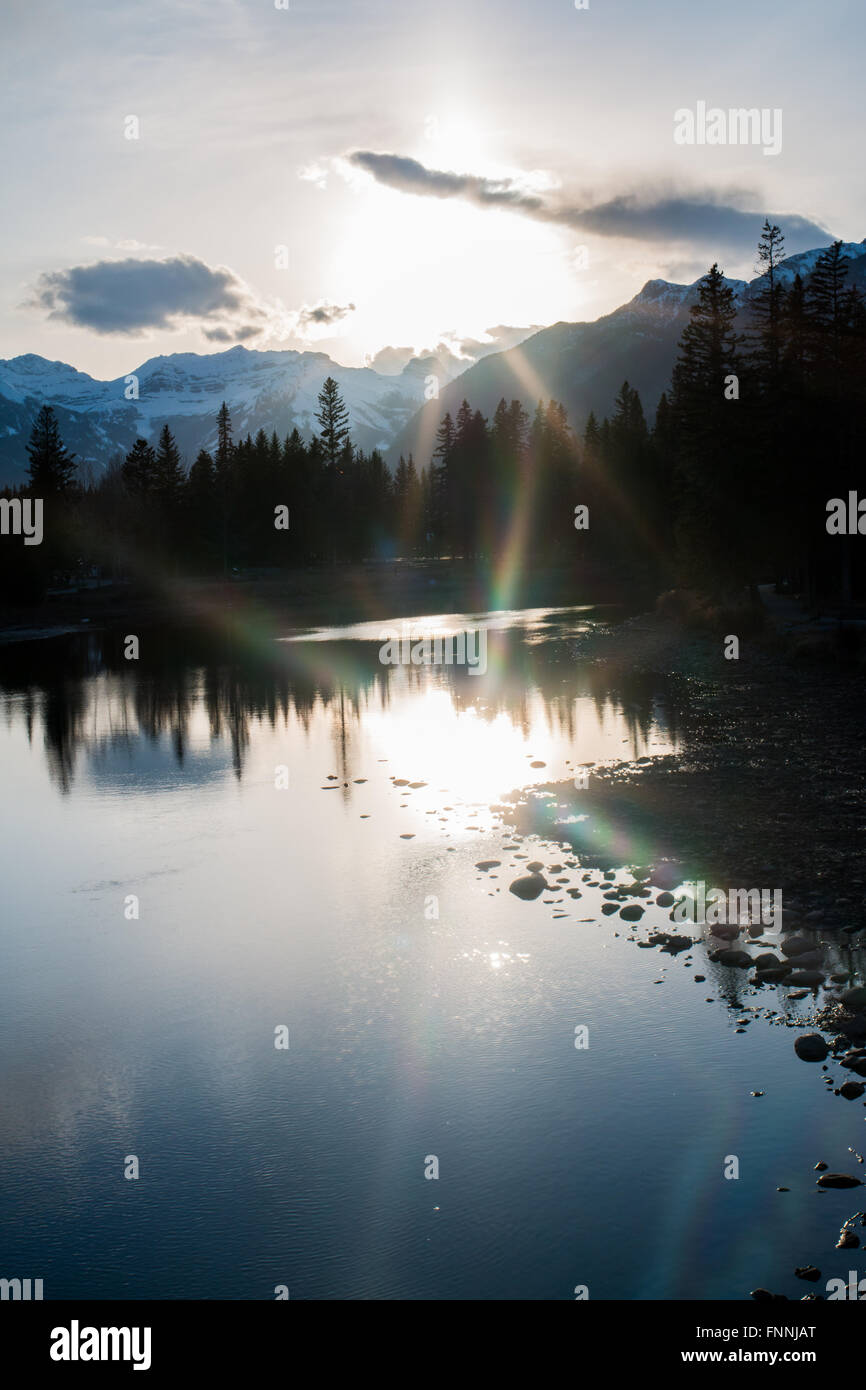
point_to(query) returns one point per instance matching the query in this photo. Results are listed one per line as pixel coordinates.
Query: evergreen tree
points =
(333, 418)
(765, 307)
(439, 525)
(52, 467)
(168, 473)
(717, 515)
(139, 469)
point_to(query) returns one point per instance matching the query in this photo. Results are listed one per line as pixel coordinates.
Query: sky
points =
(373, 178)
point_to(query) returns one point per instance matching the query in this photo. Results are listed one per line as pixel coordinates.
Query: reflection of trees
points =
(88, 696)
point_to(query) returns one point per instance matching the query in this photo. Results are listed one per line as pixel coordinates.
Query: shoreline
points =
(772, 734)
(296, 600)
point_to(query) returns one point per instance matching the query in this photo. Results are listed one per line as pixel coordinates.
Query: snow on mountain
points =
(580, 364)
(270, 390)
(804, 263)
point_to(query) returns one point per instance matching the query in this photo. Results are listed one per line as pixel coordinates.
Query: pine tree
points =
(224, 438)
(333, 418)
(52, 467)
(765, 307)
(718, 520)
(139, 469)
(168, 473)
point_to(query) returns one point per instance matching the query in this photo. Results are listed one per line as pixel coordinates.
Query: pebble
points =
(847, 1240)
(811, 1047)
(529, 887)
(632, 913)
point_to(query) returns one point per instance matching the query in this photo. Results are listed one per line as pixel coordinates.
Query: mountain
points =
(272, 390)
(583, 365)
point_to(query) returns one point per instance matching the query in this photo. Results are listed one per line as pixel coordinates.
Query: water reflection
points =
(191, 693)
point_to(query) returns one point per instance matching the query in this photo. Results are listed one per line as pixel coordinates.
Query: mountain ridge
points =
(581, 364)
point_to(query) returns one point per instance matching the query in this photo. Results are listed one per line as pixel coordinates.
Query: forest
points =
(761, 428)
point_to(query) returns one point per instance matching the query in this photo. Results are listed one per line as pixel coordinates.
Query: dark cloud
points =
(323, 314)
(410, 176)
(241, 334)
(131, 296)
(697, 218)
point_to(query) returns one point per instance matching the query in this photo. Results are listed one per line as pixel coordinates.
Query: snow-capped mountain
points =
(581, 364)
(270, 390)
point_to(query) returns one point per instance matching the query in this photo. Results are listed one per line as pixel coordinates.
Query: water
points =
(430, 1013)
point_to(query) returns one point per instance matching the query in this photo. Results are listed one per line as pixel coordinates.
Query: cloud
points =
(315, 173)
(700, 217)
(390, 361)
(498, 339)
(130, 297)
(452, 353)
(129, 244)
(322, 314)
(239, 334)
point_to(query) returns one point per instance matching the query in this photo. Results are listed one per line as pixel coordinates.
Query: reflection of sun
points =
(475, 758)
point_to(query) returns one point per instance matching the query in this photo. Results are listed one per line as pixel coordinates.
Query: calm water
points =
(430, 1012)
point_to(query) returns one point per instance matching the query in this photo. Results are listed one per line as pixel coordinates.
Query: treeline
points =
(762, 425)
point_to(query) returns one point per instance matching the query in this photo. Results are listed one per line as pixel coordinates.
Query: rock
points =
(528, 887)
(852, 1090)
(766, 961)
(854, 999)
(797, 945)
(809, 960)
(740, 959)
(772, 975)
(671, 943)
(838, 1180)
(847, 1240)
(853, 1027)
(727, 931)
(855, 1061)
(763, 1294)
(806, 977)
(486, 864)
(608, 908)
(632, 913)
(808, 1272)
(820, 1167)
(811, 1047)
(665, 900)
(535, 866)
